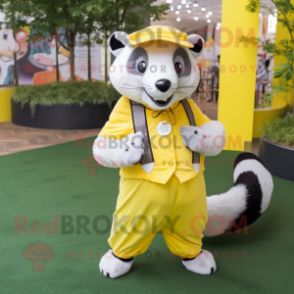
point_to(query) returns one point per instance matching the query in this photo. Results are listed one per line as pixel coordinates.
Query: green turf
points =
(41, 183)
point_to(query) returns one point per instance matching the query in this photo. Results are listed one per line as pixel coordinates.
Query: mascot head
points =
(155, 66)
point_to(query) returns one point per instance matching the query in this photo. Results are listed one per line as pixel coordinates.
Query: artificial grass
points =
(39, 184)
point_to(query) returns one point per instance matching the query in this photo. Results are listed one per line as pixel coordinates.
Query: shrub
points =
(67, 93)
(280, 131)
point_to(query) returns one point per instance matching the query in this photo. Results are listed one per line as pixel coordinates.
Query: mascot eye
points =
(141, 66)
(178, 67)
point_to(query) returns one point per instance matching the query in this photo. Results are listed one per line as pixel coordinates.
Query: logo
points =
(38, 253)
(92, 165)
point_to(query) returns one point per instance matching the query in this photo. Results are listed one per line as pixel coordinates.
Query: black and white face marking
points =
(138, 61)
(137, 64)
(153, 74)
(182, 62)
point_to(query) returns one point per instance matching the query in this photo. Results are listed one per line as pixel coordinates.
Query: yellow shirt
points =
(171, 156)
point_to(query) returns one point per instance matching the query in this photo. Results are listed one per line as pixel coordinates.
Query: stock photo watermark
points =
(102, 224)
(39, 254)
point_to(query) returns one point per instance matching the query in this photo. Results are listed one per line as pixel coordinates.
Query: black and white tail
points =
(244, 203)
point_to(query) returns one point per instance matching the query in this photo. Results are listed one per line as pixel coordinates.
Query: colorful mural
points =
(36, 59)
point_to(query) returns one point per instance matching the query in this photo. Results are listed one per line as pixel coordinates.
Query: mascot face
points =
(155, 73)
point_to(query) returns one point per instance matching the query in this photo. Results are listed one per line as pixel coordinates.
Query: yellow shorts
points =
(143, 208)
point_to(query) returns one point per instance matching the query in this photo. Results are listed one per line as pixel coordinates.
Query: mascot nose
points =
(163, 85)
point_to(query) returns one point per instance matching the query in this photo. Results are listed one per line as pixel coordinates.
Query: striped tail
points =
(245, 202)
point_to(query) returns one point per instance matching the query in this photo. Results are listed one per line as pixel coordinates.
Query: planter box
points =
(60, 116)
(278, 159)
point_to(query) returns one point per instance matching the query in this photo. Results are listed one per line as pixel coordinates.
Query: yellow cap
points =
(160, 33)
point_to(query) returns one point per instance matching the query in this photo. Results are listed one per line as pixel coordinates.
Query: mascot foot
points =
(203, 264)
(114, 267)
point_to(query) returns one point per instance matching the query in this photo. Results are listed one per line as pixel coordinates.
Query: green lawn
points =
(39, 184)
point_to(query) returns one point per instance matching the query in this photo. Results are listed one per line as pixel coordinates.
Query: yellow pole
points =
(5, 103)
(237, 73)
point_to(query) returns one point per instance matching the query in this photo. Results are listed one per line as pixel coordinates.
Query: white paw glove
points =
(193, 138)
(119, 153)
(133, 149)
(209, 139)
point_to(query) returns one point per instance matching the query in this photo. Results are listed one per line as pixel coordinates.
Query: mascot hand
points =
(134, 149)
(119, 153)
(193, 138)
(209, 139)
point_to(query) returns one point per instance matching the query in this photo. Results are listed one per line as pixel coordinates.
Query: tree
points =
(40, 15)
(43, 15)
(88, 16)
(283, 71)
(127, 15)
(47, 24)
(88, 29)
(71, 17)
(47, 17)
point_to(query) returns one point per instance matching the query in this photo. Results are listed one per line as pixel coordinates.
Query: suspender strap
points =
(195, 155)
(140, 124)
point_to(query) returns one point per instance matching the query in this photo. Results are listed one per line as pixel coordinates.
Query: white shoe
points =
(112, 267)
(203, 264)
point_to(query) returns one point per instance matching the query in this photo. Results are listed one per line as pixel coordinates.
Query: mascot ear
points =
(198, 45)
(117, 42)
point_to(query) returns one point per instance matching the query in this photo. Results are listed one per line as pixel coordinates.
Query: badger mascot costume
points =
(159, 137)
